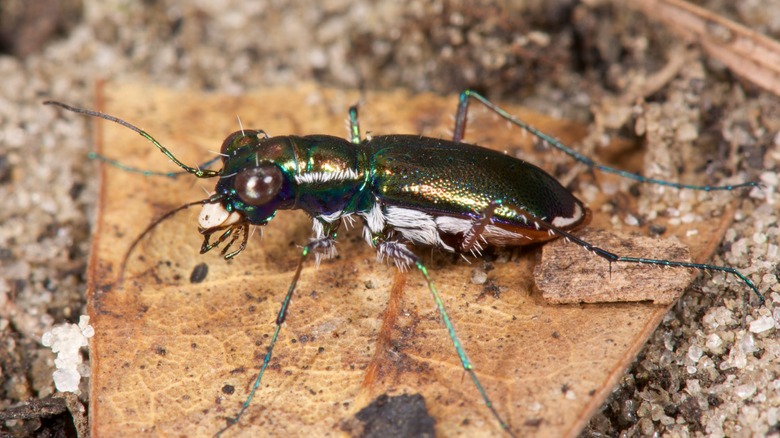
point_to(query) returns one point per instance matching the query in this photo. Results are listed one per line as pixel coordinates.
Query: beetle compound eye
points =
(258, 185)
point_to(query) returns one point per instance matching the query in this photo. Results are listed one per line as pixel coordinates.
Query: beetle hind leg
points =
(473, 238)
(611, 257)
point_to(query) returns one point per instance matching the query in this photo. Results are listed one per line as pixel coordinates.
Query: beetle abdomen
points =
(455, 182)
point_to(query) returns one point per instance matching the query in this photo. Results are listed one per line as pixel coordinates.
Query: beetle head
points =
(253, 185)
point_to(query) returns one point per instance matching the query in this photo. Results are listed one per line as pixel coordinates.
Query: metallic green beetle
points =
(406, 189)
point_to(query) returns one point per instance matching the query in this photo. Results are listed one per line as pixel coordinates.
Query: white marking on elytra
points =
(325, 177)
(563, 222)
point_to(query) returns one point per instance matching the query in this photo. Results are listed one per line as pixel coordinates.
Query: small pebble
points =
(694, 353)
(478, 276)
(745, 391)
(714, 342)
(762, 324)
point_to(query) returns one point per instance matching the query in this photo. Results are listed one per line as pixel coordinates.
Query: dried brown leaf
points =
(171, 357)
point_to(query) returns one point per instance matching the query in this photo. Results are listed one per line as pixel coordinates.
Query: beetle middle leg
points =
(404, 258)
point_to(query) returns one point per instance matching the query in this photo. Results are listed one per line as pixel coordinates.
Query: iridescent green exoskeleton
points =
(406, 190)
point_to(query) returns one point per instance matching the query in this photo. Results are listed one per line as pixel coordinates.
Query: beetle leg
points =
(403, 256)
(460, 132)
(612, 257)
(324, 247)
(354, 127)
(470, 240)
(313, 246)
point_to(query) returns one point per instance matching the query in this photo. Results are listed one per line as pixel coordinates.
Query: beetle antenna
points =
(200, 173)
(172, 175)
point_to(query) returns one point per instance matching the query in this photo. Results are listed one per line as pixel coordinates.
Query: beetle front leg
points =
(324, 242)
(315, 245)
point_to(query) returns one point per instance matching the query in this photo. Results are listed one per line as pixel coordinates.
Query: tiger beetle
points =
(406, 189)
